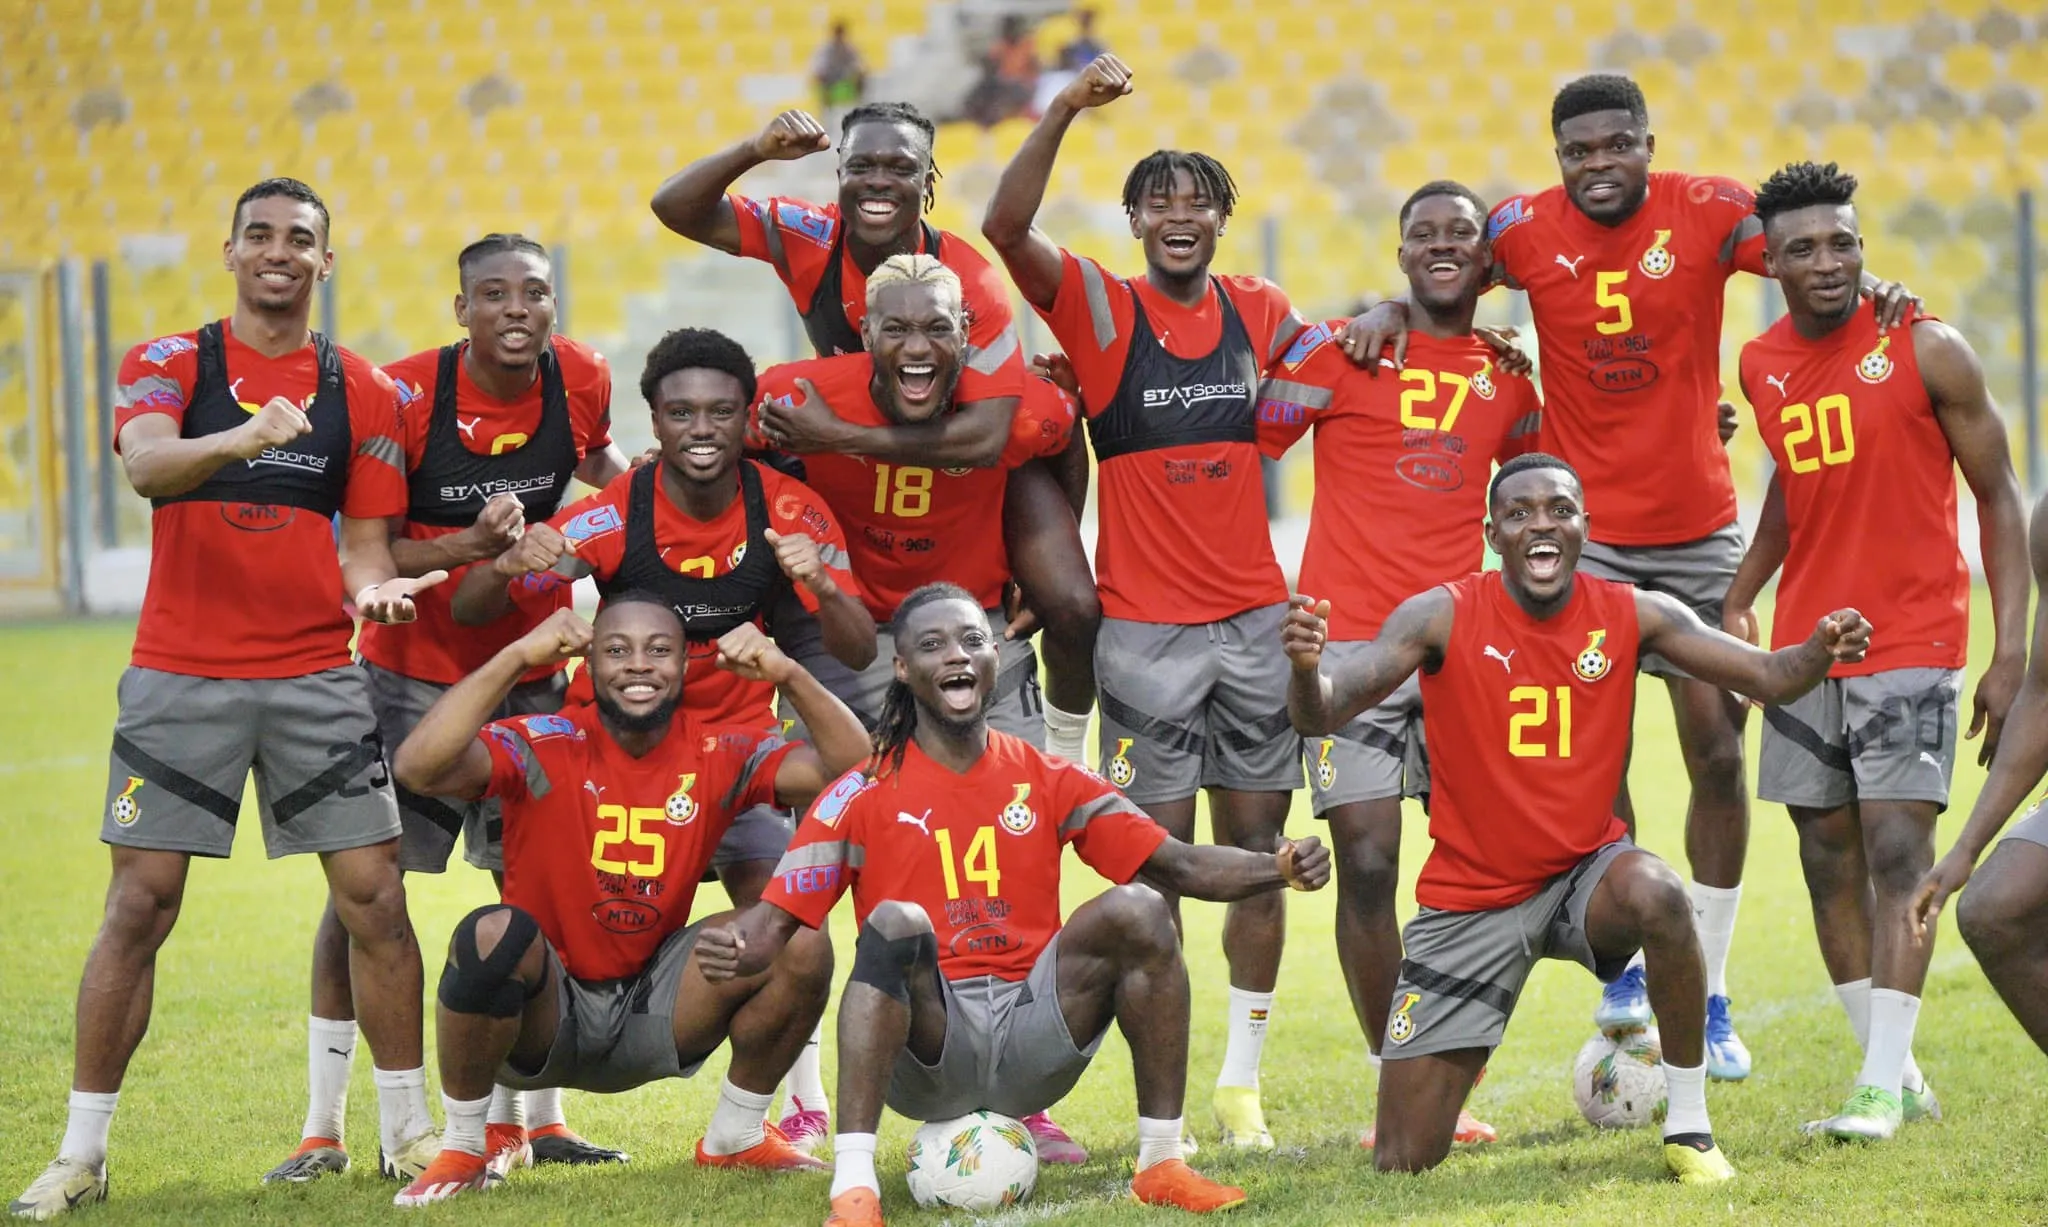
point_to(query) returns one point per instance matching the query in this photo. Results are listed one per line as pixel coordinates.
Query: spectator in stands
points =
(1009, 76)
(1082, 51)
(841, 76)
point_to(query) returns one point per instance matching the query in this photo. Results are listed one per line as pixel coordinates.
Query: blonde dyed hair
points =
(917, 269)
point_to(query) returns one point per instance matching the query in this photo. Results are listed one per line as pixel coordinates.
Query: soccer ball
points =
(1619, 1081)
(980, 1161)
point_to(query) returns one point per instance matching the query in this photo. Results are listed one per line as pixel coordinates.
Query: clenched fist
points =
(277, 423)
(789, 136)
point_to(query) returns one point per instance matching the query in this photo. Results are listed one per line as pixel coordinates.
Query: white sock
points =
(508, 1107)
(736, 1121)
(1713, 913)
(543, 1108)
(1066, 735)
(1248, 1015)
(402, 1113)
(85, 1133)
(1158, 1140)
(330, 1050)
(1855, 999)
(1636, 960)
(465, 1131)
(1372, 1060)
(853, 1163)
(806, 1082)
(1687, 1108)
(1892, 1017)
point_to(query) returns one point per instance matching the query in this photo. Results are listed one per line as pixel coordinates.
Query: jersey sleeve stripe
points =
(1283, 335)
(149, 390)
(1746, 229)
(745, 780)
(1081, 815)
(989, 360)
(384, 448)
(1291, 392)
(1526, 425)
(1097, 294)
(771, 233)
(824, 852)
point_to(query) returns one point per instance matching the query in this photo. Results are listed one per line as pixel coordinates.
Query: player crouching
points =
(967, 992)
(585, 975)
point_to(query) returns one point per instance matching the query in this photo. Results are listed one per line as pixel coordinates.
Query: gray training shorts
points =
(1378, 754)
(2032, 826)
(1887, 736)
(184, 747)
(614, 1035)
(1196, 706)
(431, 823)
(1462, 972)
(1696, 573)
(1006, 1050)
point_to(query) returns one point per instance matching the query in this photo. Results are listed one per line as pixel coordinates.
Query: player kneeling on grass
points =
(967, 992)
(584, 976)
(1530, 861)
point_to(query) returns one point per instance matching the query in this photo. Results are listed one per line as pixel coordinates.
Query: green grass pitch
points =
(216, 1093)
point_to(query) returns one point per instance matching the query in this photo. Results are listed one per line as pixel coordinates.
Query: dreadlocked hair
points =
(495, 244)
(1800, 184)
(893, 728)
(1602, 91)
(910, 117)
(1155, 173)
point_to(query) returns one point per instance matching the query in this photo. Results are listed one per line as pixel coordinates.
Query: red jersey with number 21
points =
(979, 851)
(1528, 730)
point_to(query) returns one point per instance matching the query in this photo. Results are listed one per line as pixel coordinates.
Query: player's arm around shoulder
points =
(1319, 702)
(1675, 632)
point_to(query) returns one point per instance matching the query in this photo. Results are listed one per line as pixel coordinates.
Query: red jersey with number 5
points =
(979, 851)
(1528, 728)
(1870, 492)
(1628, 320)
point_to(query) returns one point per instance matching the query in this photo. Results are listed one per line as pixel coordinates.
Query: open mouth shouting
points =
(1545, 561)
(917, 382)
(1180, 244)
(960, 692)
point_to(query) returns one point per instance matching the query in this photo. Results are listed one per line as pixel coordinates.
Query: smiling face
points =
(636, 665)
(946, 654)
(916, 333)
(1816, 253)
(884, 171)
(508, 306)
(1444, 253)
(278, 253)
(1178, 225)
(700, 423)
(1537, 525)
(1604, 158)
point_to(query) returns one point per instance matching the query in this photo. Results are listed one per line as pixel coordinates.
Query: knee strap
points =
(885, 962)
(473, 984)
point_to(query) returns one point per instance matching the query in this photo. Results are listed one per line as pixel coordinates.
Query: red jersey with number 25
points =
(1628, 319)
(979, 851)
(907, 525)
(1528, 730)
(1870, 492)
(604, 850)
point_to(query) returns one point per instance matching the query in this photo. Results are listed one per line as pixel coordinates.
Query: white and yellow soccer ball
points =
(1618, 1082)
(981, 1161)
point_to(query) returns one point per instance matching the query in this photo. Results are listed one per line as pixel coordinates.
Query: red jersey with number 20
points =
(1870, 492)
(1528, 730)
(979, 851)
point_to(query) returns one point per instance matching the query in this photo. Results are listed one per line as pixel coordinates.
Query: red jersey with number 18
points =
(979, 851)
(1870, 492)
(1528, 728)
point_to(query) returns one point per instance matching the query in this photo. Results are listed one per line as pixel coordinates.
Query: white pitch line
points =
(46, 764)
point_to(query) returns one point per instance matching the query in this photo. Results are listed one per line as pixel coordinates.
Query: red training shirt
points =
(1528, 731)
(1628, 319)
(254, 597)
(1870, 492)
(907, 525)
(433, 648)
(605, 850)
(1182, 536)
(979, 851)
(1402, 464)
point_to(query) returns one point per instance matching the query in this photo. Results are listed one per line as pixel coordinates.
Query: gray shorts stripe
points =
(1258, 733)
(1788, 726)
(368, 751)
(1457, 986)
(176, 782)
(1165, 732)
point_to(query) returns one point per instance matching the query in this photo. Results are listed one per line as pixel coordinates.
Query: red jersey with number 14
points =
(1528, 728)
(1870, 492)
(978, 850)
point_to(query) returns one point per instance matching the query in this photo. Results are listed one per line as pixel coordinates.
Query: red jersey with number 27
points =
(979, 851)
(1528, 728)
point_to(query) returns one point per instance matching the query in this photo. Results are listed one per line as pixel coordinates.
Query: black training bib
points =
(311, 471)
(708, 607)
(452, 483)
(1163, 400)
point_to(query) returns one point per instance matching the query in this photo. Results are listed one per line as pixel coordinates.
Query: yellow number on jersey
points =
(1605, 294)
(979, 865)
(636, 827)
(1424, 393)
(1837, 438)
(702, 565)
(1534, 719)
(912, 493)
(506, 443)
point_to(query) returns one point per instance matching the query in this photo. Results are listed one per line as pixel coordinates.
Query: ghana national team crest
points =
(681, 809)
(1592, 664)
(1017, 817)
(732, 560)
(1876, 366)
(1121, 773)
(126, 809)
(1482, 382)
(959, 472)
(1400, 1027)
(1658, 261)
(1326, 771)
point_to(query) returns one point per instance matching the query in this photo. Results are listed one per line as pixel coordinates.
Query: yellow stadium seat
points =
(1914, 143)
